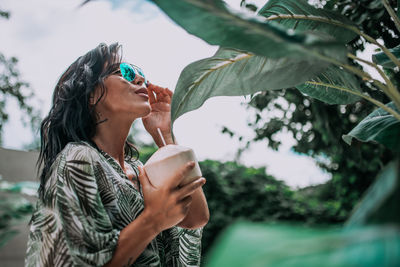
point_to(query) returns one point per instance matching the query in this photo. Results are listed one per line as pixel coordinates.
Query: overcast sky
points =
(47, 36)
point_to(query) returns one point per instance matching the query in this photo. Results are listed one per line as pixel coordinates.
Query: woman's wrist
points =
(151, 223)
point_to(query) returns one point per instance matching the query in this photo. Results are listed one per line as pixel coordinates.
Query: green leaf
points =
(383, 60)
(380, 203)
(257, 245)
(325, 86)
(217, 24)
(233, 72)
(304, 17)
(380, 127)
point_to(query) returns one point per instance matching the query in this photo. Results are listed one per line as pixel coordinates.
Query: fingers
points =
(143, 179)
(181, 173)
(156, 88)
(189, 189)
(162, 94)
(170, 93)
(152, 98)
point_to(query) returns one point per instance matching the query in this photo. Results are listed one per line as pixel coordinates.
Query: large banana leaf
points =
(257, 245)
(214, 22)
(304, 17)
(333, 86)
(380, 127)
(232, 72)
(381, 203)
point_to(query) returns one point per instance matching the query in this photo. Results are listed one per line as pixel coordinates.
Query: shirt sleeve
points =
(190, 246)
(89, 234)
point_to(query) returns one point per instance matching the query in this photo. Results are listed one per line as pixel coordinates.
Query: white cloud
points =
(47, 36)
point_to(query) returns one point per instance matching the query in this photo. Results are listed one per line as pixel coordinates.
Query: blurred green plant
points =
(257, 245)
(14, 206)
(236, 192)
(253, 245)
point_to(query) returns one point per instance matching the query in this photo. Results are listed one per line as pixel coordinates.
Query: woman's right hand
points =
(167, 206)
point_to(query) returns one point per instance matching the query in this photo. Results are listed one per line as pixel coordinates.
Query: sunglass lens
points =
(140, 72)
(127, 72)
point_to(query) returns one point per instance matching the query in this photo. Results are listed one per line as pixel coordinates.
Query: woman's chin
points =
(145, 113)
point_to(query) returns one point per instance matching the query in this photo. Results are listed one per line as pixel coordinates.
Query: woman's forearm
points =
(198, 214)
(132, 241)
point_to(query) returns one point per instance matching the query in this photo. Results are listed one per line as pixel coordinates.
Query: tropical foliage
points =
(288, 31)
(315, 125)
(304, 37)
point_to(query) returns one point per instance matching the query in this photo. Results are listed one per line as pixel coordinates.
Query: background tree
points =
(14, 206)
(13, 87)
(317, 126)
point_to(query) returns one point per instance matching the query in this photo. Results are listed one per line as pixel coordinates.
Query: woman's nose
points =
(139, 80)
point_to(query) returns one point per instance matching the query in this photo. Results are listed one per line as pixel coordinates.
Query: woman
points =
(96, 205)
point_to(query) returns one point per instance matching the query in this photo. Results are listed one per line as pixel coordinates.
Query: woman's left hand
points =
(160, 115)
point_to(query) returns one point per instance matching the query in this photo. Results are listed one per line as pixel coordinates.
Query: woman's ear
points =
(94, 96)
(91, 99)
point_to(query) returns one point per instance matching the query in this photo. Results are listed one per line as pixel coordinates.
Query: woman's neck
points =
(111, 137)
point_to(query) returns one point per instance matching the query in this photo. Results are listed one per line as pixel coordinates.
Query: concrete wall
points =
(17, 166)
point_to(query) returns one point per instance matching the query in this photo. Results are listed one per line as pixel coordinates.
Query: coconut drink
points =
(166, 160)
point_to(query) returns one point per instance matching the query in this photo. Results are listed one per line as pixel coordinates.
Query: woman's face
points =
(123, 99)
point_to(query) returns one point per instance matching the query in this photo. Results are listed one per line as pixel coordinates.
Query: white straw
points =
(162, 137)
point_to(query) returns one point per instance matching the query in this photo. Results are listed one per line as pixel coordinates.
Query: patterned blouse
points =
(88, 201)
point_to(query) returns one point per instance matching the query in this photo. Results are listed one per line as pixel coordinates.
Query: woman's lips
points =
(142, 92)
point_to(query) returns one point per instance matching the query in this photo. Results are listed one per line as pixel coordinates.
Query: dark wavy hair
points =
(71, 118)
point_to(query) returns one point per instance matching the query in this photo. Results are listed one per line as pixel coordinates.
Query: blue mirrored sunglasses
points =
(129, 72)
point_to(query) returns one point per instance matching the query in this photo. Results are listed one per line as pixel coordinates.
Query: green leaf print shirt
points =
(88, 201)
